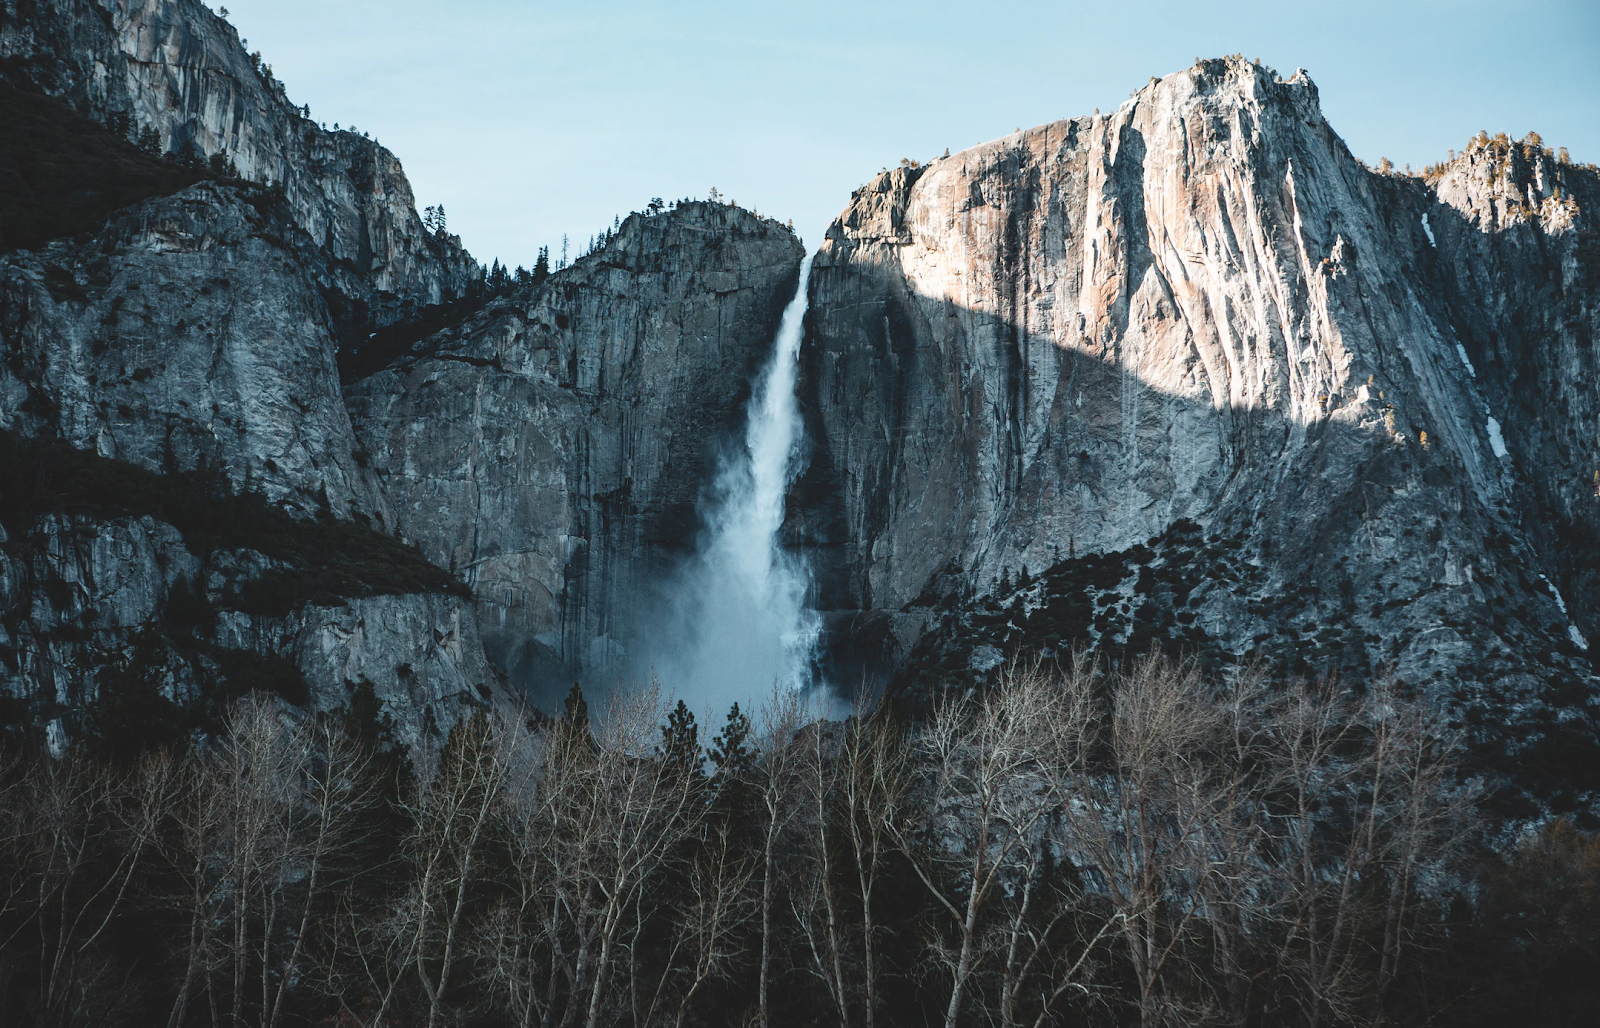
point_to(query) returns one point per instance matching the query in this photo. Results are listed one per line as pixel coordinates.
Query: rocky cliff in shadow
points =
(553, 449)
(186, 512)
(175, 69)
(547, 450)
(1361, 400)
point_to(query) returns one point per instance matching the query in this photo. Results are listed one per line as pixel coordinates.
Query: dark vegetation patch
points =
(132, 715)
(365, 349)
(62, 173)
(1115, 604)
(326, 560)
(370, 338)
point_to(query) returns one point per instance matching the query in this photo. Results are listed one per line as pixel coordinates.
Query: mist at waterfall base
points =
(733, 621)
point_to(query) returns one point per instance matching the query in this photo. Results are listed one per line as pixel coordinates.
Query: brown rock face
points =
(1202, 307)
(553, 450)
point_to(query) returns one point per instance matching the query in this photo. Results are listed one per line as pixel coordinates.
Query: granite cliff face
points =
(192, 332)
(174, 67)
(82, 597)
(1186, 373)
(1366, 391)
(553, 450)
(186, 354)
(547, 453)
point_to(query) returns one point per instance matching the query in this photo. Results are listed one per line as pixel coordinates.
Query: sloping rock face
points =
(80, 596)
(1202, 308)
(193, 332)
(174, 67)
(198, 334)
(553, 450)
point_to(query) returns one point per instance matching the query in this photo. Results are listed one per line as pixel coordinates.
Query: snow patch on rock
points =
(1556, 593)
(1497, 442)
(985, 658)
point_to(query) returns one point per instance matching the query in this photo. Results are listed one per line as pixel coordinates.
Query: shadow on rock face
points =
(1063, 345)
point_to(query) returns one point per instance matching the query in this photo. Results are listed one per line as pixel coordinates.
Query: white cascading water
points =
(739, 612)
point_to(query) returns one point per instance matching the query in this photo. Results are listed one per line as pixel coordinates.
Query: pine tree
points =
(573, 728)
(189, 157)
(575, 709)
(680, 742)
(541, 267)
(730, 749)
(131, 713)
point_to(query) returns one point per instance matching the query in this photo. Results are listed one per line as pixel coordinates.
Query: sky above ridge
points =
(528, 120)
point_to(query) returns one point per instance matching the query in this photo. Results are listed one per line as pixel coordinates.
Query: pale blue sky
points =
(529, 119)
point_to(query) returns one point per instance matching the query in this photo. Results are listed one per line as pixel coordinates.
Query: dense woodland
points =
(1075, 846)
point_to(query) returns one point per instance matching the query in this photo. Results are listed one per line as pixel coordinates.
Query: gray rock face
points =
(175, 67)
(192, 332)
(1202, 307)
(76, 592)
(200, 331)
(553, 450)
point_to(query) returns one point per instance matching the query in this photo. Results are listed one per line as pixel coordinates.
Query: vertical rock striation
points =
(553, 450)
(1202, 307)
(175, 68)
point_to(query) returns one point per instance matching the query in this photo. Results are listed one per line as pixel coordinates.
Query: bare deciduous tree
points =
(812, 886)
(779, 770)
(874, 780)
(451, 817)
(992, 774)
(260, 814)
(73, 835)
(593, 817)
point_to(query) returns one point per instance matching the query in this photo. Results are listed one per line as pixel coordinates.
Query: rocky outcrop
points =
(553, 449)
(1201, 307)
(199, 616)
(193, 332)
(175, 68)
(195, 339)
(1513, 267)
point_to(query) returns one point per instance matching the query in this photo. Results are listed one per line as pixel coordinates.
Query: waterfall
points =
(738, 609)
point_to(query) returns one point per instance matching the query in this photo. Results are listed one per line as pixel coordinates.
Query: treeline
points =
(1073, 847)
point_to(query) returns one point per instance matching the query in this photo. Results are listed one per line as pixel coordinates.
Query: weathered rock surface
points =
(192, 332)
(1201, 306)
(553, 449)
(201, 331)
(177, 68)
(77, 594)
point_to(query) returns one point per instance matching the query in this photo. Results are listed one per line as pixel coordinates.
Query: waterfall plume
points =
(737, 619)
